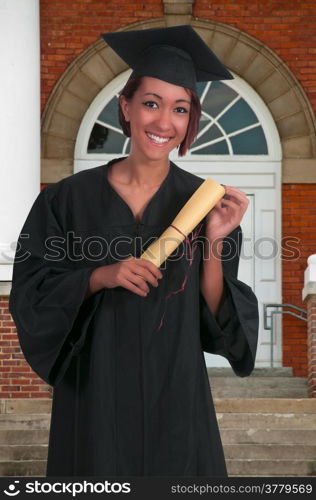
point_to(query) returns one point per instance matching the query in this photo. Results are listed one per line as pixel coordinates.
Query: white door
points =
(259, 264)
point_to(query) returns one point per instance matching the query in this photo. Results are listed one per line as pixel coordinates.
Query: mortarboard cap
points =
(176, 55)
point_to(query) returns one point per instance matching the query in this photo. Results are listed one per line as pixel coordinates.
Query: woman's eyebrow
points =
(159, 97)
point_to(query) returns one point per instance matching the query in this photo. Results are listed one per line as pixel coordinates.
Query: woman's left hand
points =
(226, 214)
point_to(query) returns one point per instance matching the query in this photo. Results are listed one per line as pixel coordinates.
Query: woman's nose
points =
(163, 120)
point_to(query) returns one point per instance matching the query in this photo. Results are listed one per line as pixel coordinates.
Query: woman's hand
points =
(132, 274)
(226, 214)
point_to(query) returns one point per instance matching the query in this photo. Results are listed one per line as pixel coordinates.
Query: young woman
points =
(120, 340)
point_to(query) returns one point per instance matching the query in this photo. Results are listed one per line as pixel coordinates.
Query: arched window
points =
(228, 124)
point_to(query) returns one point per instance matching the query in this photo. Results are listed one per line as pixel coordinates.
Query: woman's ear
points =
(124, 107)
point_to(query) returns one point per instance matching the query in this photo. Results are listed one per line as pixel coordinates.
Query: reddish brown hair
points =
(195, 114)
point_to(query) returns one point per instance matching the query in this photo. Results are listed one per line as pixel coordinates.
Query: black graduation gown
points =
(129, 399)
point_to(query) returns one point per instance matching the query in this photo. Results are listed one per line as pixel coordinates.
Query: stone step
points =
(259, 387)
(263, 405)
(234, 467)
(251, 404)
(267, 371)
(258, 434)
(20, 437)
(19, 452)
(27, 405)
(232, 451)
(265, 382)
(269, 451)
(268, 436)
(267, 420)
(236, 404)
(35, 468)
(271, 467)
(263, 393)
(272, 451)
(44, 405)
(26, 421)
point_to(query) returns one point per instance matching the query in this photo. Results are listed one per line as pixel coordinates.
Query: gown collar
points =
(153, 205)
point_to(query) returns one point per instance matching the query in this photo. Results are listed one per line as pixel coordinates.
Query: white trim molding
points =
(20, 124)
(310, 277)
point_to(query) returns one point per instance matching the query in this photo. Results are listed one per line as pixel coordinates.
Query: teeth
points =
(156, 138)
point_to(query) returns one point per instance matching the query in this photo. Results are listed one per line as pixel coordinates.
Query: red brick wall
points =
(68, 27)
(298, 221)
(288, 27)
(17, 380)
(311, 308)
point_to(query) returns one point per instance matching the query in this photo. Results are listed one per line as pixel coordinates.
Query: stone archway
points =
(246, 56)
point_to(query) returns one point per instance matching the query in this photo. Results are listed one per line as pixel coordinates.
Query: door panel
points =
(260, 264)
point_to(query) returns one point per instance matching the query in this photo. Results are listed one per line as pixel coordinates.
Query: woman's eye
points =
(180, 109)
(150, 104)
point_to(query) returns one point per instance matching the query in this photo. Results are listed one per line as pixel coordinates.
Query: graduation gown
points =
(129, 398)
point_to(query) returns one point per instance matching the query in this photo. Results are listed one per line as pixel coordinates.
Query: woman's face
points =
(158, 114)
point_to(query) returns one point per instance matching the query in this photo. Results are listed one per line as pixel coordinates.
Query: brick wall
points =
(298, 221)
(288, 27)
(17, 380)
(311, 310)
(68, 27)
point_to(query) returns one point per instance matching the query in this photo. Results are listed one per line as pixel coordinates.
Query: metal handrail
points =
(279, 310)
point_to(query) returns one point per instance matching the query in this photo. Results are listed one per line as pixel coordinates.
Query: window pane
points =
(220, 148)
(217, 98)
(109, 114)
(212, 133)
(200, 86)
(203, 120)
(104, 140)
(240, 115)
(252, 142)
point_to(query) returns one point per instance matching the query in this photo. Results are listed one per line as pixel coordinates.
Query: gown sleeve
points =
(47, 297)
(233, 332)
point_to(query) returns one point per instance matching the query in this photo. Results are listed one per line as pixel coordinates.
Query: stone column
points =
(309, 295)
(19, 123)
(177, 11)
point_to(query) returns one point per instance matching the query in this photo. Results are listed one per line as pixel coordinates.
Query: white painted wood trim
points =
(20, 123)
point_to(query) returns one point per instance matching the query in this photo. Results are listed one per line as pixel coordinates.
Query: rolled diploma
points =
(195, 209)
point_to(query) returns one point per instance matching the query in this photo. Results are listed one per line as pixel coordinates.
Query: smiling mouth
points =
(157, 139)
